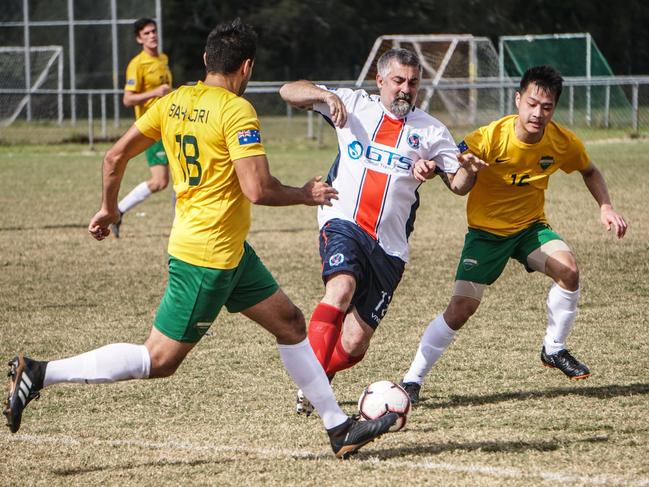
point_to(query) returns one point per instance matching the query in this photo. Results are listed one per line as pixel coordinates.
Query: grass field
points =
(491, 415)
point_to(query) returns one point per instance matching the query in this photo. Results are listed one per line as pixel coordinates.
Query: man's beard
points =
(401, 105)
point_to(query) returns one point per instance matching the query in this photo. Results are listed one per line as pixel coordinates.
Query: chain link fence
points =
(586, 106)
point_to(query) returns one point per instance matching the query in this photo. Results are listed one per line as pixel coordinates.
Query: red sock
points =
(324, 328)
(341, 360)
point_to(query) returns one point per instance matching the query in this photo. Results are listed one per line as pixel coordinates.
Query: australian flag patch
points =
(249, 137)
(462, 147)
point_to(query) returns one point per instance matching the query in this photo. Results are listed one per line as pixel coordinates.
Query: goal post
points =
(450, 63)
(18, 79)
(575, 55)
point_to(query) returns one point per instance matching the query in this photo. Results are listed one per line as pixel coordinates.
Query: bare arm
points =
(128, 146)
(595, 183)
(462, 181)
(304, 94)
(131, 98)
(262, 188)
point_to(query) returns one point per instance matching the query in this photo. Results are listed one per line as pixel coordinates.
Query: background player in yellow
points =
(147, 78)
(506, 218)
(219, 165)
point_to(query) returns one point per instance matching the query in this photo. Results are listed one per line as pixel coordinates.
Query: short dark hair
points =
(229, 45)
(545, 77)
(140, 24)
(404, 57)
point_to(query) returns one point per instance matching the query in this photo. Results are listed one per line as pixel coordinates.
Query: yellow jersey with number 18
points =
(203, 129)
(509, 195)
(145, 73)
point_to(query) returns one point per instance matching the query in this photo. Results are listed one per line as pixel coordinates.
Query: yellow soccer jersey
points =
(145, 73)
(203, 130)
(509, 195)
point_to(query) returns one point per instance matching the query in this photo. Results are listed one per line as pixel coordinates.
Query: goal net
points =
(451, 64)
(575, 56)
(42, 69)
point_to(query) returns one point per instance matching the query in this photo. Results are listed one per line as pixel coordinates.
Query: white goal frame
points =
(56, 57)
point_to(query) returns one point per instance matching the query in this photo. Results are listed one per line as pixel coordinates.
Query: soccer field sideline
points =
(288, 454)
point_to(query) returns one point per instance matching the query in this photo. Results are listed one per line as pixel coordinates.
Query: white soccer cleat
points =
(302, 404)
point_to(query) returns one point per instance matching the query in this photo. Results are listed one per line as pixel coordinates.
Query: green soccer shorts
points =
(156, 155)
(485, 255)
(195, 295)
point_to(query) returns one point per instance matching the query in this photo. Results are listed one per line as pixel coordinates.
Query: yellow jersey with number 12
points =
(509, 195)
(145, 73)
(204, 129)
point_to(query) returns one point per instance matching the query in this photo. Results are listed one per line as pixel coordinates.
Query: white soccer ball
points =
(384, 397)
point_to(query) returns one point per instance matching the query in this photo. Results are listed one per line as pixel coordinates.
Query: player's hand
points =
(337, 109)
(610, 218)
(424, 170)
(318, 192)
(471, 163)
(99, 224)
(162, 90)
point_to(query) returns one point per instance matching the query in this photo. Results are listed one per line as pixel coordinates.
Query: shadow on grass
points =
(599, 392)
(484, 446)
(44, 227)
(70, 472)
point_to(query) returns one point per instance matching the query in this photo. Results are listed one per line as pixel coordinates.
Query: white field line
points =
(278, 453)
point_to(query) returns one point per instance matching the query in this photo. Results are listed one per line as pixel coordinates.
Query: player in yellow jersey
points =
(505, 212)
(147, 78)
(219, 166)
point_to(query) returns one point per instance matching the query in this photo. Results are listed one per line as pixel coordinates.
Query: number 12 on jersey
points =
(191, 167)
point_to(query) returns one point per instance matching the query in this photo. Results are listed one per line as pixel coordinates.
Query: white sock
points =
(437, 337)
(305, 370)
(562, 310)
(135, 197)
(111, 363)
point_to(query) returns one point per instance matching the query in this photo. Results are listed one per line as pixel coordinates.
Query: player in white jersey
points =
(387, 147)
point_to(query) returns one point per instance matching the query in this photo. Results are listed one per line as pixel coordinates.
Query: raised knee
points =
(569, 278)
(294, 330)
(459, 312)
(163, 366)
(155, 185)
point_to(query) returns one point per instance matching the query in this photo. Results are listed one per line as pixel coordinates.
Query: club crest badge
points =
(545, 162)
(469, 264)
(414, 141)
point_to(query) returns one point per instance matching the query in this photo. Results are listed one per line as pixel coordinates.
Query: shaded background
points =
(330, 39)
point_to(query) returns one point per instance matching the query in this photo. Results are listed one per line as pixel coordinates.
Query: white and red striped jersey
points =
(373, 169)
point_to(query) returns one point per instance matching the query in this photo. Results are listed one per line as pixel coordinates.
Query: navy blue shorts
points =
(345, 247)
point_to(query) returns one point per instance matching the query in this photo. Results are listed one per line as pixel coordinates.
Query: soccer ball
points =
(384, 397)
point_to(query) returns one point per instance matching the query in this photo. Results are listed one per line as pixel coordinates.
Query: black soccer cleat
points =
(412, 388)
(347, 438)
(566, 363)
(25, 380)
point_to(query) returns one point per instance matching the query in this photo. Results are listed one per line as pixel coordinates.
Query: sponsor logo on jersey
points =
(130, 82)
(380, 157)
(355, 150)
(249, 137)
(546, 161)
(462, 147)
(336, 260)
(500, 160)
(469, 264)
(414, 141)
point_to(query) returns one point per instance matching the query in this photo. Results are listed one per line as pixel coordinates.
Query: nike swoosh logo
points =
(499, 160)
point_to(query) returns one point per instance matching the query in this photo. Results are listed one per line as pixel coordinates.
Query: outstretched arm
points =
(131, 98)
(462, 181)
(128, 146)
(262, 188)
(304, 94)
(595, 183)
